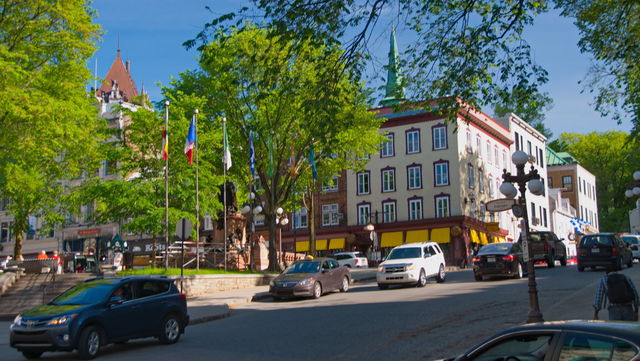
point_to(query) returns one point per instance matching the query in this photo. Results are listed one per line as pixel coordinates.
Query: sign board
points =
(500, 205)
(183, 228)
(493, 226)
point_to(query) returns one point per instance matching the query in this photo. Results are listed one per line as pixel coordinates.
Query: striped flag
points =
(190, 142)
(226, 158)
(312, 162)
(252, 155)
(165, 145)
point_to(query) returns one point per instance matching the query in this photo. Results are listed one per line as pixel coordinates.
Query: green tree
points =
(612, 157)
(48, 123)
(293, 97)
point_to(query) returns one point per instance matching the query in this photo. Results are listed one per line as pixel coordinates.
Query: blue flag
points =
(312, 162)
(252, 155)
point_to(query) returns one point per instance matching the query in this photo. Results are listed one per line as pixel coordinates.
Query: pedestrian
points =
(5, 263)
(42, 255)
(56, 256)
(619, 291)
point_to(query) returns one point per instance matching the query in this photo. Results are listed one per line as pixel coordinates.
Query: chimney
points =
(128, 66)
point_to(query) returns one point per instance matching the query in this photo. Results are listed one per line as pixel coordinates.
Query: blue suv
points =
(102, 311)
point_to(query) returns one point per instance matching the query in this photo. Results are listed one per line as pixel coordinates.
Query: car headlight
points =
(380, 268)
(18, 320)
(306, 281)
(62, 320)
(272, 283)
(411, 267)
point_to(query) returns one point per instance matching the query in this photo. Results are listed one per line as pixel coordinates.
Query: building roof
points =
(394, 92)
(119, 78)
(560, 158)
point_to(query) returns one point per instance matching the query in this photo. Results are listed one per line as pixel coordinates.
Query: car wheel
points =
(348, 265)
(345, 284)
(89, 343)
(477, 277)
(382, 286)
(551, 262)
(31, 355)
(563, 261)
(441, 275)
(422, 279)
(518, 273)
(580, 268)
(317, 290)
(169, 330)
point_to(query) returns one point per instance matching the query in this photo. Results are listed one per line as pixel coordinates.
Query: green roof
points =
(559, 158)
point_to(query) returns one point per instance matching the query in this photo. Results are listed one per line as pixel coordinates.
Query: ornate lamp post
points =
(536, 187)
(281, 221)
(252, 211)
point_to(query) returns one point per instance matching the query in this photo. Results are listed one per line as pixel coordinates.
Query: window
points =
(480, 181)
(301, 218)
(441, 173)
(541, 157)
(497, 189)
(415, 209)
(583, 346)
(331, 186)
(504, 160)
(110, 167)
(330, 215)
(469, 146)
(479, 146)
(4, 204)
(389, 180)
(389, 212)
(496, 157)
(530, 346)
(579, 184)
(5, 232)
(386, 149)
(439, 134)
(414, 177)
(567, 182)
(544, 216)
(363, 183)
(529, 148)
(517, 136)
(413, 141)
(533, 214)
(364, 213)
(489, 161)
(442, 206)
(490, 183)
(470, 173)
(482, 211)
(550, 182)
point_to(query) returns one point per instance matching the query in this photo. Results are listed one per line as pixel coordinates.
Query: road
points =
(437, 321)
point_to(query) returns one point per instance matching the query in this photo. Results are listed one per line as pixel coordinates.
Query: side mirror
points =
(116, 300)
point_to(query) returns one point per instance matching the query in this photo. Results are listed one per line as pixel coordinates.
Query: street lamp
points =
(252, 211)
(536, 187)
(281, 221)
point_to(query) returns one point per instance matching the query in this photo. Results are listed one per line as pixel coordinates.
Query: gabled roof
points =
(119, 76)
(559, 158)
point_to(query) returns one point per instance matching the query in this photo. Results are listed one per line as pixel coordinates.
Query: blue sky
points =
(151, 33)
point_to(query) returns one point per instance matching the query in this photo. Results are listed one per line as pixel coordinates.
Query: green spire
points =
(394, 92)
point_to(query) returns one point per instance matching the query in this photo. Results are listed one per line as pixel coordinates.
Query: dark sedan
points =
(564, 340)
(102, 311)
(499, 260)
(311, 278)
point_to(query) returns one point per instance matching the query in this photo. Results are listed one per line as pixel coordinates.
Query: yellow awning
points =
(500, 239)
(474, 236)
(336, 243)
(321, 244)
(302, 246)
(417, 236)
(483, 238)
(441, 235)
(391, 239)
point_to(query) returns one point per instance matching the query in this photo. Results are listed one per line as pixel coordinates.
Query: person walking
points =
(619, 291)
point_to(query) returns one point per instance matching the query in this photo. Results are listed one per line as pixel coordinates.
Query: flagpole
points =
(195, 118)
(224, 189)
(166, 187)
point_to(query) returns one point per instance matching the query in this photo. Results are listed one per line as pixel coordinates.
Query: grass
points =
(176, 272)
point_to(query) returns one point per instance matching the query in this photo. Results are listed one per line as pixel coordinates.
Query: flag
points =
(270, 144)
(165, 145)
(312, 162)
(189, 143)
(252, 155)
(226, 158)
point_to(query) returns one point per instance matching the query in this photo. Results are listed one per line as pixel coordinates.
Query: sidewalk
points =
(215, 306)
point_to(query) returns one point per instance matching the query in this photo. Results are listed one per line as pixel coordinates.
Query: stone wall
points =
(204, 284)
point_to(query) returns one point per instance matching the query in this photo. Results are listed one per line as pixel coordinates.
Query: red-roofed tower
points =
(118, 83)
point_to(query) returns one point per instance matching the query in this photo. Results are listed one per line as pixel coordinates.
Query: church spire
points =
(394, 92)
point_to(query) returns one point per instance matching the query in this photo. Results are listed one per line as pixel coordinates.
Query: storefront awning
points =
(302, 246)
(417, 236)
(441, 235)
(483, 238)
(336, 243)
(474, 236)
(321, 244)
(391, 239)
(500, 239)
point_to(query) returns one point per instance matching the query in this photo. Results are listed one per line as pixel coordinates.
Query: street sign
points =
(499, 205)
(183, 229)
(493, 226)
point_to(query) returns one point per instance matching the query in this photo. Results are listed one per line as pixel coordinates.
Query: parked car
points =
(499, 259)
(100, 311)
(351, 259)
(311, 278)
(547, 247)
(633, 242)
(560, 340)
(603, 250)
(412, 263)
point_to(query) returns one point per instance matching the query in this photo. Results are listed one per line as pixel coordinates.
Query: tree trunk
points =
(312, 223)
(274, 265)
(154, 244)
(19, 228)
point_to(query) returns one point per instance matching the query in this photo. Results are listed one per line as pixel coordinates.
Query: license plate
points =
(491, 259)
(595, 250)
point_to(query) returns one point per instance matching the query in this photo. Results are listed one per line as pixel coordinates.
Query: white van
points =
(412, 263)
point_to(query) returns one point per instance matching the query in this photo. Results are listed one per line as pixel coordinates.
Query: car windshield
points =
(303, 267)
(630, 239)
(400, 253)
(590, 241)
(343, 256)
(85, 293)
(537, 237)
(496, 248)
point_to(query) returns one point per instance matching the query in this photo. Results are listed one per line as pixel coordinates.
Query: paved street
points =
(428, 323)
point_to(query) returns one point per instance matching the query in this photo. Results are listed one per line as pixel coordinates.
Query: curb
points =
(204, 319)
